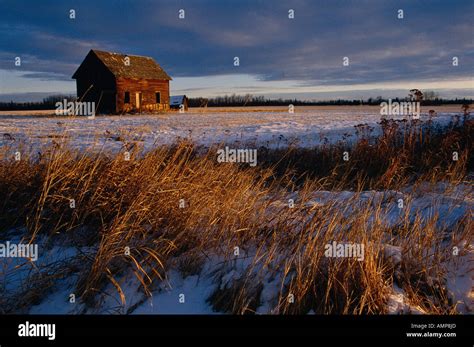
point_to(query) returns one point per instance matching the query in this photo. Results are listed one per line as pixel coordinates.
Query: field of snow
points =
(307, 127)
(451, 202)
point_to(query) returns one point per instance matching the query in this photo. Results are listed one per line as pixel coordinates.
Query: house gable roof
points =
(140, 67)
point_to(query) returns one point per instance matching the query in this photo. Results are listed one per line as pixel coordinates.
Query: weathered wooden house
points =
(120, 83)
(179, 102)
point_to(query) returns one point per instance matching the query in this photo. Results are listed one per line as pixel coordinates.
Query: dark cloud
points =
(310, 48)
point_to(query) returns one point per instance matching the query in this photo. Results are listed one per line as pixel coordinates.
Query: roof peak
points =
(139, 66)
(118, 53)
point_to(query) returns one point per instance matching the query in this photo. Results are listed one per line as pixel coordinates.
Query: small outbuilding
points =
(119, 83)
(177, 100)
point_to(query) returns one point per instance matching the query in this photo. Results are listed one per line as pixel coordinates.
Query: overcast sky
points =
(300, 57)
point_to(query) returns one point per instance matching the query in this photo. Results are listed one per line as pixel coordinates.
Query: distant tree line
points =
(427, 98)
(48, 103)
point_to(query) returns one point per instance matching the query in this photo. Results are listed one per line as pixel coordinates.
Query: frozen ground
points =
(217, 273)
(304, 128)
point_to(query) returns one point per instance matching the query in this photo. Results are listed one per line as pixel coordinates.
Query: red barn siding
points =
(147, 88)
(104, 77)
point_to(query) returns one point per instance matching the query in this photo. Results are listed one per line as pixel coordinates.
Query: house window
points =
(158, 97)
(127, 98)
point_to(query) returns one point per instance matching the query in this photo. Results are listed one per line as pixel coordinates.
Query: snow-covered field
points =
(450, 202)
(304, 128)
(307, 127)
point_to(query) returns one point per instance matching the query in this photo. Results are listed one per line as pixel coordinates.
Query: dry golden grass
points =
(134, 205)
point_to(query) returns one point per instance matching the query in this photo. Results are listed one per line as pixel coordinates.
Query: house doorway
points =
(138, 100)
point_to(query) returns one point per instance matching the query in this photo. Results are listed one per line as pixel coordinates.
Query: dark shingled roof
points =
(177, 100)
(140, 67)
